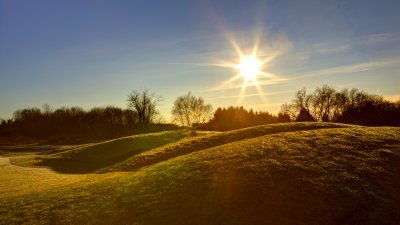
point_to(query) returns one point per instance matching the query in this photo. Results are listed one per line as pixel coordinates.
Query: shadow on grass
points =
(123, 154)
(91, 158)
(75, 166)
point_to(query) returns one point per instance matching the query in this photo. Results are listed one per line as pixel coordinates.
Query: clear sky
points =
(93, 53)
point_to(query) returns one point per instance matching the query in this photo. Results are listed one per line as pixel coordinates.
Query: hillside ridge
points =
(189, 145)
(340, 175)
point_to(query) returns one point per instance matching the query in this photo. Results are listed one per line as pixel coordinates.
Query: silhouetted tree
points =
(300, 101)
(341, 103)
(144, 103)
(188, 110)
(322, 103)
(283, 118)
(304, 115)
(290, 110)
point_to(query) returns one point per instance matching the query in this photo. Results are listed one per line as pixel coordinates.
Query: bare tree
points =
(144, 103)
(188, 110)
(323, 101)
(289, 109)
(341, 103)
(301, 102)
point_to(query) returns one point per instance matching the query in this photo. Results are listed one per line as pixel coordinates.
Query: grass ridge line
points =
(188, 146)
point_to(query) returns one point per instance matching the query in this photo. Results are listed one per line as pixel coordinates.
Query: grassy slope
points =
(134, 152)
(17, 181)
(327, 176)
(91, 158)
(198, 143)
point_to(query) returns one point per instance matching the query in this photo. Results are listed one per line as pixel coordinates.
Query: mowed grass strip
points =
(199, 143)
(325, 176)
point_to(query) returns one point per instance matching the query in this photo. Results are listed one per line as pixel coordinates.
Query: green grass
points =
(17, 181)
(198, 143)
(92, 157)
(337, 175)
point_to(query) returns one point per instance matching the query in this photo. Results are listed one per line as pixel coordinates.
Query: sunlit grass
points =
(343, 173)
(90, 158)
(16, 180)
(213, 139)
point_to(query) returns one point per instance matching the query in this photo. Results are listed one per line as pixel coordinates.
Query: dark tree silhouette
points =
(144, 103)
(283, 118)
(304, 115)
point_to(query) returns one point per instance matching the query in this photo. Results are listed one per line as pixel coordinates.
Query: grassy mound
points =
(92, 157)
(134, 152)
(324, 176)
(213, 139)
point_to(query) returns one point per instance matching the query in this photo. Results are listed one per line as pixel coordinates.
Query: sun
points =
(249, 67)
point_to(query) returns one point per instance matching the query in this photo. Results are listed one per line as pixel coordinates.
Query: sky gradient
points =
(93, 53)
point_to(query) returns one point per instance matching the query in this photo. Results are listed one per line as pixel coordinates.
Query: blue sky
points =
(93, 53)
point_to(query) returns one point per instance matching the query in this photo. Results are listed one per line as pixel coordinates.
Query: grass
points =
(199, 143)
(92, 157)
(336, 175)
(18, 181)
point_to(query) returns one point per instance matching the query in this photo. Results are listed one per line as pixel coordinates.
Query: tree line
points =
(76, 125)
(324, 104)
(327, 104)
(231, 118)
(191, 111)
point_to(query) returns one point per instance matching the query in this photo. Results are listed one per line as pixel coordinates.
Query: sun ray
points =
(232, 79)
(224, 64)
(256, 45)
(259, 90)
(235, 45)
(268, 75)
(268, 59)
(242, 91)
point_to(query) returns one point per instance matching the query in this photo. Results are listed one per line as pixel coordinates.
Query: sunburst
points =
(249, 68)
